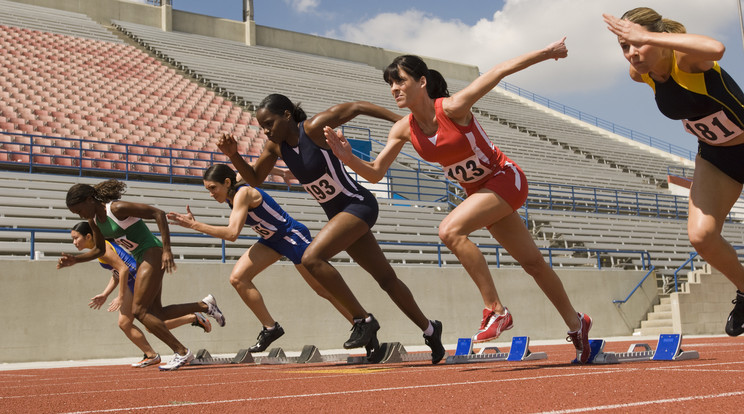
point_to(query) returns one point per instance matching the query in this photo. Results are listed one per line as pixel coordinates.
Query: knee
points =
(312, 262)
(139, 311)
(449, 236)
(235, 280)
(701, 238)
(535, 266)
(125, 324)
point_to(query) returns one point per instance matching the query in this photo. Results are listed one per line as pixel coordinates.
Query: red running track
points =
(713, 383)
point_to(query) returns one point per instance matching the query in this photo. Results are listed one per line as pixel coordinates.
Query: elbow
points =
(231, 237)
(719, 50)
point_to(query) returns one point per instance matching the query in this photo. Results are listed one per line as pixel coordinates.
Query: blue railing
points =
(691, 262)
(417, 182)
(620, 302)
(551, 251)
(601, 123)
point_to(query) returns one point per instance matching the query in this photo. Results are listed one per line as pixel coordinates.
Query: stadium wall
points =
(103, 11)
(50, 320)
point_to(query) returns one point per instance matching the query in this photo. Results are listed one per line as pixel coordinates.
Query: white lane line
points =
(642, 403)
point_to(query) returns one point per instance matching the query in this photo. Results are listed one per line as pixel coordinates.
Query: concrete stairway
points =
(659, 321)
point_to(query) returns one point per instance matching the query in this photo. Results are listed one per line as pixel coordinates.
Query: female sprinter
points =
(442, 129)
(124, 268)
(351, 209)
(122, 221)
(280, 235)
(689, 85)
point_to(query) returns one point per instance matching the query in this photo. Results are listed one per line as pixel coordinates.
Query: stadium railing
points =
(551, 251)
(601, 123)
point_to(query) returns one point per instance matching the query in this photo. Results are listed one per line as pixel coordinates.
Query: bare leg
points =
(712, 196)
(251, 263)
(337, 235)
(180, 321)
(367, 253)
(323, 293)
(126, 324)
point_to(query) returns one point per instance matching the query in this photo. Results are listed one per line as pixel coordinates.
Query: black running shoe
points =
(266, 337)
(435, 342)
(362, 333)
(735, 322)
(374, 353)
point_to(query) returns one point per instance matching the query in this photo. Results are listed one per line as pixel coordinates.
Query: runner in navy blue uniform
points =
(351, 209)
(280, 235)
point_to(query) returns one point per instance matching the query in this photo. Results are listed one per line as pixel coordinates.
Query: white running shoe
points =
(178, 361)
(213, 310)
(147, 361)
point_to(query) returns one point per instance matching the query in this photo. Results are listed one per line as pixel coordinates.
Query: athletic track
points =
(713, 383)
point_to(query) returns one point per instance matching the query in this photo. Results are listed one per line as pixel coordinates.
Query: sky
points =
(593, 79)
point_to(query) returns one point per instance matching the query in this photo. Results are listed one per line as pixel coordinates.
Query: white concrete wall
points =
(47, 318)
(704, 305)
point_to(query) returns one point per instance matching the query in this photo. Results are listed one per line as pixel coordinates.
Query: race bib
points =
(126, 244)
(713, 129)
(324, 189)
(467, 171)
(263, 232)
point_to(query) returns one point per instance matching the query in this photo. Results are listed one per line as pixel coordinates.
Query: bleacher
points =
(99, 105)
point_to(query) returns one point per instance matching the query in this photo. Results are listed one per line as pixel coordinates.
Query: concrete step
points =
(657, 323)
(653, 331)
(660, 315)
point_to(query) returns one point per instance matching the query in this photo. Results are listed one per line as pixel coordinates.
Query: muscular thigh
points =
(336, 236)
(481, 209)
(149, 281)
(712, 196)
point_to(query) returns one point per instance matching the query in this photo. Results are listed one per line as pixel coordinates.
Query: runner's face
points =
(405, 89)
(642, 58)
(218, 191)
(273, 125)
(81, 242)
(85, 209)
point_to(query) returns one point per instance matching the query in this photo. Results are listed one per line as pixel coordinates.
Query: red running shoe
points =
(580, 339)
(493, 325)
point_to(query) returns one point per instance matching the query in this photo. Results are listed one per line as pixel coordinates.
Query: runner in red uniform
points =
(442, 129)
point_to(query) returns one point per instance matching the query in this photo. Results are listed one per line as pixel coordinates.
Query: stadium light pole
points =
(247, 10)
(741, 22)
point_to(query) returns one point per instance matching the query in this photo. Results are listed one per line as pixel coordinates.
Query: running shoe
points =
(362, 333)
(435, 343)
(735, 322)
(147, 361)
(493, 325)
(374, 353)
(580, 339)
(178, 361)
(213, 310)
(202, 322)
(266, 337)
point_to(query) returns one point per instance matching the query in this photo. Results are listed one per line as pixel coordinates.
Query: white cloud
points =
(303, 6)
(594, 63)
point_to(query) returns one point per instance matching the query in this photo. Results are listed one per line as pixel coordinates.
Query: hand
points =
(184, 220)
(65, 260)
(228, 145)
(97, 301)
(626, 31)
(338, 143)
(557, 50)
(168, 264)
(115, 304)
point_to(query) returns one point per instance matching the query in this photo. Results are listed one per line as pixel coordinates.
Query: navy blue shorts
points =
(293, 245)
(367, 210)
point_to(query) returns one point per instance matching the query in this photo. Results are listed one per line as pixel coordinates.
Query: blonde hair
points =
(652, 21)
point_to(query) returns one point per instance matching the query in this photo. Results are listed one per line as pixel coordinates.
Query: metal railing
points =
(620, 302)
(601, 123)
(691, 262)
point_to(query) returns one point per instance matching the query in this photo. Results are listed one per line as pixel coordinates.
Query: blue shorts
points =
(367, 210)
(293, 245)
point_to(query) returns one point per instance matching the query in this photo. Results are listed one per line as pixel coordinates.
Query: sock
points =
(430, 330)
(368, 319)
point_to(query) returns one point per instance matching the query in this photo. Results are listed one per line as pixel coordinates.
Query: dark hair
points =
(83, 228)
(218, 173)
(277, 103)
(414, 66)
(652, 21)
(109, 190)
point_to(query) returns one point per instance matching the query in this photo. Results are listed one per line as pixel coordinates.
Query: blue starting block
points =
(519, 351)
(667, 349)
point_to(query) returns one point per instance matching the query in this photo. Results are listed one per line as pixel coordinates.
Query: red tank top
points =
(466, 153)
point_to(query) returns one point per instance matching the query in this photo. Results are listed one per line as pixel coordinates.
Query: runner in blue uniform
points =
(351, 209)
(690, 85)
(280, 235)
(122, 221)
(124, 267)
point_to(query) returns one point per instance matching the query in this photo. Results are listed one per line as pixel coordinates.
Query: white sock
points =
(368, 319)
(430, 330)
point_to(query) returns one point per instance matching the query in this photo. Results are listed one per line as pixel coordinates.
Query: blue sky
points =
(480, 32)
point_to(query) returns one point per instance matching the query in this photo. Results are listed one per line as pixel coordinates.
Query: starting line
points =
(668, 349)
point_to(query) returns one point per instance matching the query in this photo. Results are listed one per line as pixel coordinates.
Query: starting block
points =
(668, 349)
(203, 357)
(392, 352)
(519, 351)
(309, 354)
